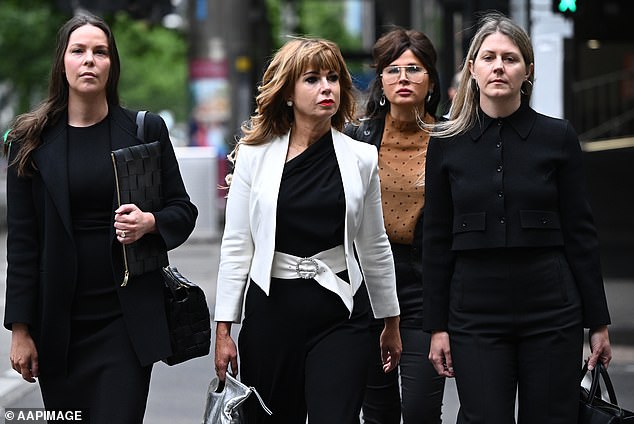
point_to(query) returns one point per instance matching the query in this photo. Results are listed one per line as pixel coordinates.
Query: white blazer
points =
(248, 242)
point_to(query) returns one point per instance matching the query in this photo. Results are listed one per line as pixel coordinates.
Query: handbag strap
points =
(248, 389)
(599, 372)
(140, 124)
(257, 395)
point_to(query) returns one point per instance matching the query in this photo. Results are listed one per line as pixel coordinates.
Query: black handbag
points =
(137, 172)
(188, 317)
(592, 408)
(138, 180)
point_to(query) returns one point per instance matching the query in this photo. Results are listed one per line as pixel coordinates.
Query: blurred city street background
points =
(198, 64)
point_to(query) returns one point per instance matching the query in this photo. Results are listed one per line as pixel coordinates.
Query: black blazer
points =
(511, 182)
(41, 252)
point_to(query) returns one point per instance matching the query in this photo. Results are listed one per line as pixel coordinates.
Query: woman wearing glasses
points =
(404, 94)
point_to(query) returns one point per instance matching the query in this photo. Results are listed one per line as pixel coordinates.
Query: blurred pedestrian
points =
(91, 341)
(510, 253)
(403, 93)
(304, 227)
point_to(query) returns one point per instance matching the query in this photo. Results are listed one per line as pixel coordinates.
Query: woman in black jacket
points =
(403, 96)
(90, 340)
(510, 258)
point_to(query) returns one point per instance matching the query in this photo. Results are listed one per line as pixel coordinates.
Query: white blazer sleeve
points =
(373, 247)
(236, 251)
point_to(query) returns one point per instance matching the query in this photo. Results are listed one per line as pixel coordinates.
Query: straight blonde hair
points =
(463, 114)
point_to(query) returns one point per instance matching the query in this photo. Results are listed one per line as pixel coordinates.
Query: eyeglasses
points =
(415, 74)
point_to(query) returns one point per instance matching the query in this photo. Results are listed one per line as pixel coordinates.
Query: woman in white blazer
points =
(304, 247)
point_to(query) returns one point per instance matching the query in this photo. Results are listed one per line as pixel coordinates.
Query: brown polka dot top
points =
(402, 172)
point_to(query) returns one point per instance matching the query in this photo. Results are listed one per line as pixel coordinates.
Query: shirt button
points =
(500, 194)
(498, 144)
(502, 220)
(499, 168)
(463, 225)
(543, 221)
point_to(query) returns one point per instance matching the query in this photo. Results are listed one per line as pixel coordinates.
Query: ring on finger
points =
(122, 234)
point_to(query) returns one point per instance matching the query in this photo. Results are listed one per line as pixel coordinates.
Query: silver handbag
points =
(224, 401)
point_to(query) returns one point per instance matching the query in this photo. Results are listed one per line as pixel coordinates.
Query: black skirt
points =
(105, 379)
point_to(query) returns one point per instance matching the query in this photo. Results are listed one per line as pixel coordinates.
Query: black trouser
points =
(515, 325)
(421, 388)
(418, 397)
(304, 354)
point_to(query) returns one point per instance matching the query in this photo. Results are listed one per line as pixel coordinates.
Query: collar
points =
(522, 121)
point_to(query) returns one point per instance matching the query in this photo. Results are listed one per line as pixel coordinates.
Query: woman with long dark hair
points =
(90, 340)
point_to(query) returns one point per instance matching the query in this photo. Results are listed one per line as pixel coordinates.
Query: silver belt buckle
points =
(307, 268)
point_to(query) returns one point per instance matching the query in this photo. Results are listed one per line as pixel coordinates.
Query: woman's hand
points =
(131, 223)
(226, 352)
(391, 346)
(440, 353)
(599, 347)
(23, 354)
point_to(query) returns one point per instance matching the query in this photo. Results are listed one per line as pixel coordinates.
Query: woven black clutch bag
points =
(188, 317)
(138, 181)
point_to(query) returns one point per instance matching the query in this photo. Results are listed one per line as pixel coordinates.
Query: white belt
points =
(322, 267)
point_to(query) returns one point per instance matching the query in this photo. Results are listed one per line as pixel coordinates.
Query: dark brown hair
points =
(28, 127)
(389, 48)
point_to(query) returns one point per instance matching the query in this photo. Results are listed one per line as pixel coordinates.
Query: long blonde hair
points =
(463, 114)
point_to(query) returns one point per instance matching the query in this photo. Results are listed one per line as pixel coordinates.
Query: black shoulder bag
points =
(137, 171)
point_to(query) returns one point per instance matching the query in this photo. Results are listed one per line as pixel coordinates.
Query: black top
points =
(91, 191)
(513, 182)
(311, 205)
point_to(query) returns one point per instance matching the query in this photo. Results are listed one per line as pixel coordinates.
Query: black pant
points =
(304, 354)
(422, 388)
(105, 378)
(515, 325)
(418, 397)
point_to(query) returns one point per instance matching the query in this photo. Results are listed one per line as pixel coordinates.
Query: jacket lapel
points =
(122, 129)
(351, 179)
(268, 180)
(51, 160)
(353, 189)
